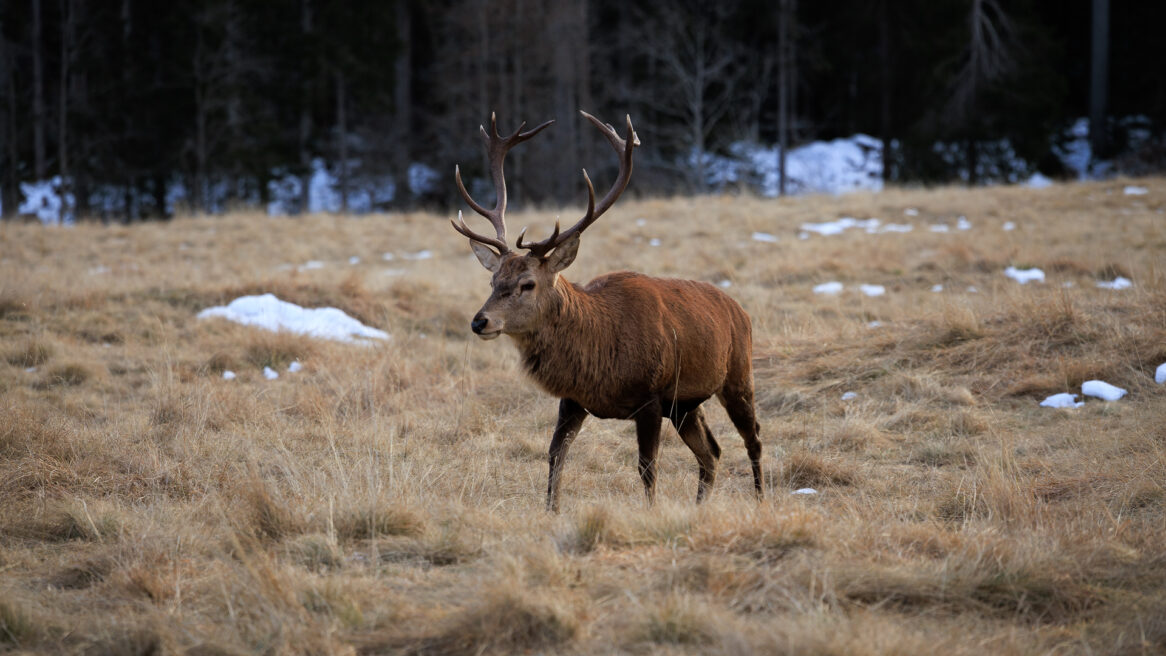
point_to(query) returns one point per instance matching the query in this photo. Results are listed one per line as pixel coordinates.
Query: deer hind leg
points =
(738, 404)
(571, 416)
(648, 420)
(695, 432)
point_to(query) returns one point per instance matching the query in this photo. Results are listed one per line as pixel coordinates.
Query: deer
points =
(623, 346)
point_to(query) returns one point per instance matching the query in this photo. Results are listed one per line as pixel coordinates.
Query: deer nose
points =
(478, 324)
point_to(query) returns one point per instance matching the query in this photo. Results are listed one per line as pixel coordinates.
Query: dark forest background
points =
(127, 99)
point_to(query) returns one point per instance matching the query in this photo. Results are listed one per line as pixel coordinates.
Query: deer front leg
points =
(648, 436)
(571, 416)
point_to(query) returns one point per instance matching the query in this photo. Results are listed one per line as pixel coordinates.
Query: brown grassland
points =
(389, 499)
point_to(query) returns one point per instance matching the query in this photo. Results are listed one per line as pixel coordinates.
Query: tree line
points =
(128, 101)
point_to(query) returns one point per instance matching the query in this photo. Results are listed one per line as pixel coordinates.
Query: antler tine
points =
(496, 149)
(460, 226)
(623, 147)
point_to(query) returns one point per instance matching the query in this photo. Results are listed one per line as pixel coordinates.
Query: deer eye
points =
(527, 286)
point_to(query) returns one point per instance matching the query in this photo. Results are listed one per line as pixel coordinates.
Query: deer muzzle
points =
(482, 328)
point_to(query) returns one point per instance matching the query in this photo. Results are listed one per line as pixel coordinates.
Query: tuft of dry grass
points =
(371, 522)
(803, 469)
(389, 498)
(682, 620)
(502, 621)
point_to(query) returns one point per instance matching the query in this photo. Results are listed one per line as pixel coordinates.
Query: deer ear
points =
(564, 253)
(486, 256)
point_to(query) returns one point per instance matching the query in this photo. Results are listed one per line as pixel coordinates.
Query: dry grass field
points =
(389, 499)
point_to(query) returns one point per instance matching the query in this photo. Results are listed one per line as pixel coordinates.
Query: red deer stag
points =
(624, 346)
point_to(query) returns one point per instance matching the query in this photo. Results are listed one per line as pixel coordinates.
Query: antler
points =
(623, 148)
(496, 149)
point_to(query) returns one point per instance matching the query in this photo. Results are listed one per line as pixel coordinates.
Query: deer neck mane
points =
(552, 355)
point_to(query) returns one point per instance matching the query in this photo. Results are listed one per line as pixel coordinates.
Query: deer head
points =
(524, 284)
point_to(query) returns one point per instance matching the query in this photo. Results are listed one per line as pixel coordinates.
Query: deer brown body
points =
(624, 346)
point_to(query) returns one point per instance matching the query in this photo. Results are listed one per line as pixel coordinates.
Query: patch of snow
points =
(48, 201)
(654, 241)
(939, 227)
(805, 490)
(641, 222)
(725, 284)
(1160, 374)
(269, 312)
(323, 195)
(30, 370)
(228, 375)
(838, 227)
(270, 374)
(936, 288)
(366, 191)
(972, 289)
(833, 287)
(388, 256)
(1120, 282)
(286, 193)
(311, 264)
(911, 211)
(1076, 154)
(897, 227)
(1062, 400)
(963, 224)
(1102, 390)
(829, 227)
(765, 237)
(421, 179)
(354, 260)
(1008, 226)
(872, 290)
(849, 395)
(1068, 284)
(294, 367)
(831, 167)
(1038, 181)
(419, 255)
(1132, 190)
(874, 324)
(1025, 276)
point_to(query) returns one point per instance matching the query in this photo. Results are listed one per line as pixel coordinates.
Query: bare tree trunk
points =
(233, 80)
(402, 91)
(886, 83)
(201, 185)
(782, 93)
(63, 93)
(566, 136)
(516, 104)
(1099, 81)
(40, 167)
(342, 140)
(305, 128)
(63, 107)
(792, 68)
(484, 57)
(583, 76)
(127, 28)
(9, 197)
